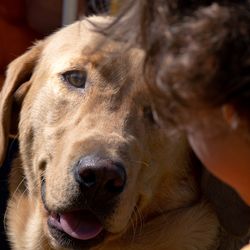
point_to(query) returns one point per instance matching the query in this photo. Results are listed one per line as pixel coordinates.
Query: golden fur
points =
(161, 206)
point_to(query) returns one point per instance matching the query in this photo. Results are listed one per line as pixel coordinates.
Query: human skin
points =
(224, 149)
(246, 247)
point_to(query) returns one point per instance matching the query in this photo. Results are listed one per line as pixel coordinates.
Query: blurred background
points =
(22, 22)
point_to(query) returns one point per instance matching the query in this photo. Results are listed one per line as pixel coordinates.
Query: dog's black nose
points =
(102, 177)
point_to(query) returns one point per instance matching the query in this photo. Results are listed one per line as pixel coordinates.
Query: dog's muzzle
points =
(100, 181)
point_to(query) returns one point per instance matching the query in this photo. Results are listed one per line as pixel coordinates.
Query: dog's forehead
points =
(69, 43)
(81, 46)
(82, 43)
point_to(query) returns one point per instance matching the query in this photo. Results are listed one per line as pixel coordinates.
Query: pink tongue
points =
(80, 225)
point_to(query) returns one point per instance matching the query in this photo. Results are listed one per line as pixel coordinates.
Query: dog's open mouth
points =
(82, 225)
(76, 228)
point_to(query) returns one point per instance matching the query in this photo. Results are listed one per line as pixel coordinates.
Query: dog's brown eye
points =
(75, 78)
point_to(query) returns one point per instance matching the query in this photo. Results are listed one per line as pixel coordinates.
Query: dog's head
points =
(91, 151)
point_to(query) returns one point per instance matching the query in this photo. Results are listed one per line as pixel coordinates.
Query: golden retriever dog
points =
(94, 171)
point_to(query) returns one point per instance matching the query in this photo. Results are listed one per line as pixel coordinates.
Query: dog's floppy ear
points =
(13, 91)
(232, 212)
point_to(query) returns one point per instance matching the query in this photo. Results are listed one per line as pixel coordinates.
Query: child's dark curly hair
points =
(197, 54)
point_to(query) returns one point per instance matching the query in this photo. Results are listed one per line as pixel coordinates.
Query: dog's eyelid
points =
(75, 78)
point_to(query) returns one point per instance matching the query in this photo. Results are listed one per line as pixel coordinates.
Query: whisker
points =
(5, 214)
(133, 229)
(19, 185)
(146, 164)
(141, 218)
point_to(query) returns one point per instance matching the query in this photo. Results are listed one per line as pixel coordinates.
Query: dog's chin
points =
(76, 230)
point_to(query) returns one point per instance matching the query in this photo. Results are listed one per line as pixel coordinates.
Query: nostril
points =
(88, 177)
(115, 186)
(116, 180)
